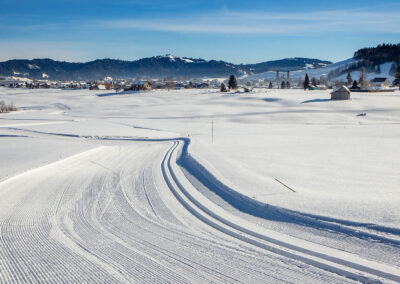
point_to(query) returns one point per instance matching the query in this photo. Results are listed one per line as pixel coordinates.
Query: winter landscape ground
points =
(98, 187)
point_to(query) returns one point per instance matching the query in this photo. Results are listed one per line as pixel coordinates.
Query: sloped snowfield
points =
(291, 187)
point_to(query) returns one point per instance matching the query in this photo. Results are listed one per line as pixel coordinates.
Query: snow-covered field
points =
(291, 187)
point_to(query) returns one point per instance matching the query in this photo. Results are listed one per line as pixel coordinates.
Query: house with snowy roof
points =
(380, 83)
(139, 86)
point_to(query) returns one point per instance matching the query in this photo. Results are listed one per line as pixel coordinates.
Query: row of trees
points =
(285, 85)
(362, 83)
(371, 58)
(380, 54)
(313, 82)
(232, 84)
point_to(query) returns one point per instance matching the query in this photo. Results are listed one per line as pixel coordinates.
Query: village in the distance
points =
(370, 69)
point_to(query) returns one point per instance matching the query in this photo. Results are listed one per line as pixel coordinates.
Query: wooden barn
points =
(342, 93)
(140, 86)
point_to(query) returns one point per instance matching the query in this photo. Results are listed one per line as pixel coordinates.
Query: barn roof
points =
(140, 82)
(379, 80)
(341, 89)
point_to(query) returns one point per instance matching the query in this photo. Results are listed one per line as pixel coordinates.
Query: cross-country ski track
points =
(197, 186)
(131, 215)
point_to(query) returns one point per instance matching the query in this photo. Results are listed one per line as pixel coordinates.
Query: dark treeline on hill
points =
(380, 54)
(169, 67)
(371, 59)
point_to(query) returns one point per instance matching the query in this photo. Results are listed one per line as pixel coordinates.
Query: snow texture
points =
(122, 188)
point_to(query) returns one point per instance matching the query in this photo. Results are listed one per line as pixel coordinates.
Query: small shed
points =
(342, 93)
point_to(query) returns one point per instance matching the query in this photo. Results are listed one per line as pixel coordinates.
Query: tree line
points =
(380, 54)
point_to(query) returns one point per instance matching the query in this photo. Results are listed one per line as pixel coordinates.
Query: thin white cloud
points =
(266, 23)
(240, 23)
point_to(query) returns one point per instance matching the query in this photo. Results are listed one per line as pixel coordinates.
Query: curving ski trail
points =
(107, 215)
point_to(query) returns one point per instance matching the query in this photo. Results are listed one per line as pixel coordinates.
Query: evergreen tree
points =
(396, 81)
(223, 88)
(270, 86)
(232, 84)
(355, 86)
(283, 85)
(314, 81)
(349, 79)
(288, 85)
(306, 83)
(392, 71)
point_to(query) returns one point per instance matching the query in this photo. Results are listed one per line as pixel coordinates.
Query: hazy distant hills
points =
(167, 66)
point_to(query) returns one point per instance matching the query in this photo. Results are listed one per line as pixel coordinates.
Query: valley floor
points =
(277, 186)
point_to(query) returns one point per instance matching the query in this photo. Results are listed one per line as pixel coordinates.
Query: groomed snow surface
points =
(195, 186)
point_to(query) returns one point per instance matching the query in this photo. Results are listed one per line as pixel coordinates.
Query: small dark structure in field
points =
(343, 93)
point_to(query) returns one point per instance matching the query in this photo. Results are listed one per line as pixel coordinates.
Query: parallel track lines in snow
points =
(116, 222)
(314, 258)
(155, 228)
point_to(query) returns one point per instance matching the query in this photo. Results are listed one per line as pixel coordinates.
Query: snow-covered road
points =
(123, 204)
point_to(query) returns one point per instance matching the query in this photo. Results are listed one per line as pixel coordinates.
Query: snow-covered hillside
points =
(324, 71)
(198, 186)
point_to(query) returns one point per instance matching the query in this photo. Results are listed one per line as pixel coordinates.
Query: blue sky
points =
(248, 31)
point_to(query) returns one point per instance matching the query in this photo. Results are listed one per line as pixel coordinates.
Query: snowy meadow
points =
(199, 186)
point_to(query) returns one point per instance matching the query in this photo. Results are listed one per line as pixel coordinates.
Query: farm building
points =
(322, 87)
(380, 83)
(342, 93)
(139, 86)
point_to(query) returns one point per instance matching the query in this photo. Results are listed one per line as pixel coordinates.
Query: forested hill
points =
(167, 66)
(287, 64)
(380, 54)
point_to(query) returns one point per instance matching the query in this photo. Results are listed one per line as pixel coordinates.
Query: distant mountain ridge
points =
(167, 66)
(287, 64)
